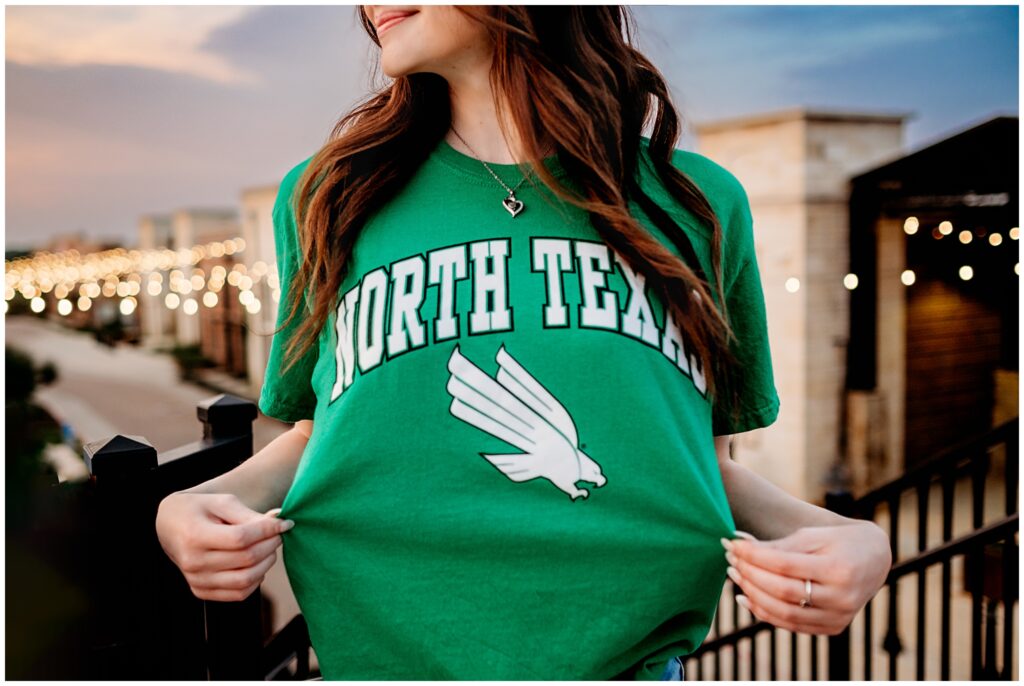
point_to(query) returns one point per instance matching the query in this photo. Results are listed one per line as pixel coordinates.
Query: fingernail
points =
(726, 543)
(733, 574)
(287, 524)
(273, 512)
(744, 534)
(742, 600)
(731, 559)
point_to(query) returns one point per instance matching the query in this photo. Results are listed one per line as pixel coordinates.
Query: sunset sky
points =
(117, 111)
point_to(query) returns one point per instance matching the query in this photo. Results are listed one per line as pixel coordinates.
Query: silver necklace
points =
(509, 202)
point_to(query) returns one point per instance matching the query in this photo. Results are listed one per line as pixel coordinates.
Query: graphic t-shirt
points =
(512, 473)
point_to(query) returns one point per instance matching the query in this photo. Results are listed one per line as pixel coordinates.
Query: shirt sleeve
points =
(752, 377)
(288, 396)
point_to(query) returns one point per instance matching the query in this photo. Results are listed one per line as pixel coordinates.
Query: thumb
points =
(256, 526)
(231, 510)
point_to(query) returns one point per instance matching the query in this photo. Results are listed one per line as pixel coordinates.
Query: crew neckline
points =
(473, 168)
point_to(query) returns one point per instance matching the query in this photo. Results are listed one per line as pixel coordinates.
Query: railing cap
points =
(226, 409)
(119, 455)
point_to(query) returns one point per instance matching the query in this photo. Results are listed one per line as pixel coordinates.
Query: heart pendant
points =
(512, 205)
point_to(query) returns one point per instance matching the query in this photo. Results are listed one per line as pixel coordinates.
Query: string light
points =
(121, 273)
(995, 239)
(910, 225)
(1015, 233)
(908, 277)
(966, 236)
(850, 281)
(792, 284)
(966, 273)
(946, 228)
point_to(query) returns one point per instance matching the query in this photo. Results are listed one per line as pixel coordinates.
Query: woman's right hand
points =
(223, 547)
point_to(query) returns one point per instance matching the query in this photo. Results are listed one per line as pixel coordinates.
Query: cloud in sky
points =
(118, 111)
(154, 37)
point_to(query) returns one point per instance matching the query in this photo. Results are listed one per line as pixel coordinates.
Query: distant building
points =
(845, 400)
(934, 351)
(156, 321)
(258, 232)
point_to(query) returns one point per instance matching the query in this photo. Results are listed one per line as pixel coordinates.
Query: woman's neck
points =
(475, 117)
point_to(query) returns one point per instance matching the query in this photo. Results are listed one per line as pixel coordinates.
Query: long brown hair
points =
(570, 72)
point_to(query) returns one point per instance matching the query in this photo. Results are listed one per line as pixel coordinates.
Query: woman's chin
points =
(395, 66)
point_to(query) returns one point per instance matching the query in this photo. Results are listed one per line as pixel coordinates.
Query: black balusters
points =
(948, 490)
(892, 644)
(923, 489)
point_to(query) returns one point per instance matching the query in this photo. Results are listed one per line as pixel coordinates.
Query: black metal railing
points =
(139, 620)
(988, 550)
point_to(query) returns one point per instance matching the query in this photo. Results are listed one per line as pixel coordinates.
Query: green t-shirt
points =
(512, 473)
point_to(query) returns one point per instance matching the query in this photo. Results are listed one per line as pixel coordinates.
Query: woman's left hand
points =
(847, 565)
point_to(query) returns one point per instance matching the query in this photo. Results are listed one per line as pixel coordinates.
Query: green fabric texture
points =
(512, 472)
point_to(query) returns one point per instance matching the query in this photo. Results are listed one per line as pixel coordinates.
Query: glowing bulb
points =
(946, 228)
(850, 281)
(966, 236)
(190, 306)
(172, 300)
(128, 305)
(154, 288)
(966, 272)
(64, 307)
(210, 299)
(792, 284)
(84, 303)
(1015, 233)
(908, 277)
(910, 225)
(38, 304)
(995, 239)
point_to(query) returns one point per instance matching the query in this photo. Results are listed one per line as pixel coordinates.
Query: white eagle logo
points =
(517, 409)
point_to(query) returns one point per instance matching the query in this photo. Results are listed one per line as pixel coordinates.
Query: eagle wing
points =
(479, 400)
(521, 383)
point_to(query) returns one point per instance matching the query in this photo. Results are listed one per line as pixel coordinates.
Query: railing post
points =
(840, 502)
(234, 630)
(122, 555)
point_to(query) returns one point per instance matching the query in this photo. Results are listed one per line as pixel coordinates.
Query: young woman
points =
(515, 337)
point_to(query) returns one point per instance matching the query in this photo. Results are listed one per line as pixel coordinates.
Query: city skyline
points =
(134, 110)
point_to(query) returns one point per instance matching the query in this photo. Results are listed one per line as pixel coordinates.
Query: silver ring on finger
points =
(806, 600)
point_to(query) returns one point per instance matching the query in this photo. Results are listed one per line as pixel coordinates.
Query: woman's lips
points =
(392, 20)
